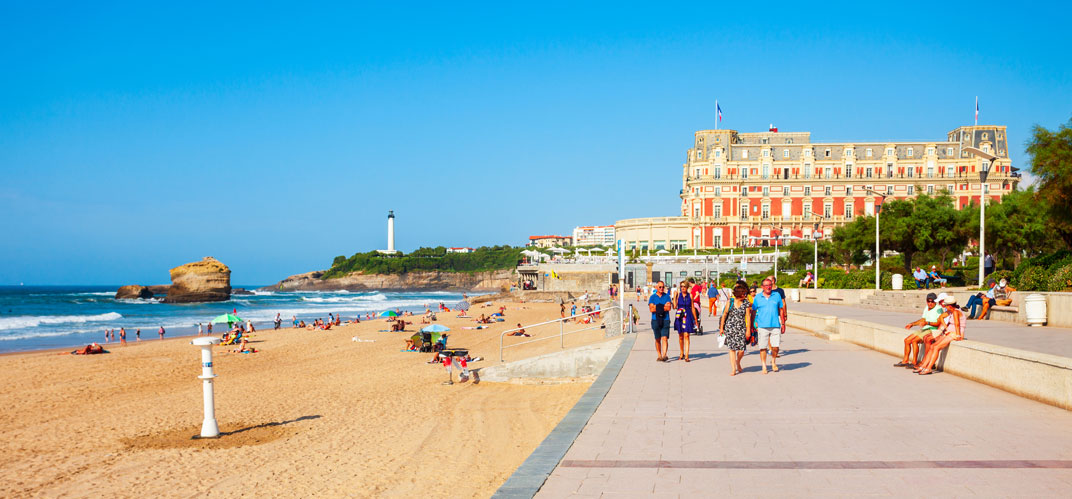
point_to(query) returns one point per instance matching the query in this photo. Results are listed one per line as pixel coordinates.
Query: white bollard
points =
(209, 428)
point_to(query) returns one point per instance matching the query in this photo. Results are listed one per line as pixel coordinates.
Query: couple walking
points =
(685, 307)
(764, 315)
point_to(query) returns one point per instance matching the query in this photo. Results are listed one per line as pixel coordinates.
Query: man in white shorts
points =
(769, 310)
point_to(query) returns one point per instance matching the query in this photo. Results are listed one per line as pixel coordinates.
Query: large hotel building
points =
(748, 189)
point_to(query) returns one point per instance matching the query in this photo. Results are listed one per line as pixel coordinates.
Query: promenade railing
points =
(603, 315)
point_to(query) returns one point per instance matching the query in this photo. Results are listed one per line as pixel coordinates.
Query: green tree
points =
(909, 226)
(1018, 225)
(1051, 162)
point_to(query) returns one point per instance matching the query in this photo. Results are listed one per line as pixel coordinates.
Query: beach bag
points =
(722, 341)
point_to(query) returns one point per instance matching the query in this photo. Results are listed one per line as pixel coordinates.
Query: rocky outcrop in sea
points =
(206, 280)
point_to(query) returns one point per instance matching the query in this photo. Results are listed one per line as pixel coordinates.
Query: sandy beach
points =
(313, 413)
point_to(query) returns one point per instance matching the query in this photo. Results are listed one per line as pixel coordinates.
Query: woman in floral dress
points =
(736, 317)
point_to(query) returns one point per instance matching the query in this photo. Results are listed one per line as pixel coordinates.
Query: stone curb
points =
(530, 476)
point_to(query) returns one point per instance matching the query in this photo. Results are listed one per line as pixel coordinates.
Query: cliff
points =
(440, 281)
(206, 280)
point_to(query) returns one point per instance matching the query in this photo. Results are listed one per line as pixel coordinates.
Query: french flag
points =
(718, 109)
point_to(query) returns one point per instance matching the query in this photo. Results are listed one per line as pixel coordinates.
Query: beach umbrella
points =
(464, 305)
(559, 250)
(662, 252)
(599, 250)
(228, 318)
(388, 313)
(435, 328)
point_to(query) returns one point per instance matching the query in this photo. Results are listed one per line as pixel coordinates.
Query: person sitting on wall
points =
(808, 280)
(979, 305)
(929, 323)
(1003, 294)
(952, 329)
(921, 278)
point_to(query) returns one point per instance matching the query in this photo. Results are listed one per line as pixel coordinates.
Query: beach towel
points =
(91, 349)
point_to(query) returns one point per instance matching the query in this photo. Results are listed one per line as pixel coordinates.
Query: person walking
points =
(684, 318)
(200, 329)
(161, 332)
(734, 325)
(123, 335)
(137, 334)
(712, 298)
(770, 323)
(659, 305)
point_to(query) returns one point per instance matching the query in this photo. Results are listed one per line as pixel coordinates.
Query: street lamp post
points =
(878, 253)
(983, 173)
(815, 252)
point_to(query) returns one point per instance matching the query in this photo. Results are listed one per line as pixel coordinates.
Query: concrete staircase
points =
(903, 301)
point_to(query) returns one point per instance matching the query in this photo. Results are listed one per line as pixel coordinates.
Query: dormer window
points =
(909, 152)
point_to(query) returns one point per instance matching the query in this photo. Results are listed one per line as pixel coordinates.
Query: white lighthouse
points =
(390, 234)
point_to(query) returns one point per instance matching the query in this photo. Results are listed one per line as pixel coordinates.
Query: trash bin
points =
(898, 281)
(794, 295)
(1035, 309)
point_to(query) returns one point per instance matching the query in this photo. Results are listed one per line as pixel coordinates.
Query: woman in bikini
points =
(952, 329)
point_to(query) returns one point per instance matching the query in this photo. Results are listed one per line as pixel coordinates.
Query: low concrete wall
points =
(1042, 377)
(835, 296)
(581, 362)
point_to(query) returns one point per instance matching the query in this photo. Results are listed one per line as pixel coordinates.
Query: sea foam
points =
(25, 321)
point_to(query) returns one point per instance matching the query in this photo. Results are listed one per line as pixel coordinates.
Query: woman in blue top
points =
(684, 318)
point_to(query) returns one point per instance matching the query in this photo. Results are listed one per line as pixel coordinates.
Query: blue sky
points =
(274, 137)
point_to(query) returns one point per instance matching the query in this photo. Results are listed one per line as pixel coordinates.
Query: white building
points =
(460, 250)
(598, 235)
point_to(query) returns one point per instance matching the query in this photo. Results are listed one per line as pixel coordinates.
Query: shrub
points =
(1033, 279)
(1061, 279)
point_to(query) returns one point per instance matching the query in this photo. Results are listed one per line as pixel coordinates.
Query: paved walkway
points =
(838, 420)
(1051, 340)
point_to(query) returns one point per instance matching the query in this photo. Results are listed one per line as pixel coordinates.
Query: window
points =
(848, 152)
(930, 190)
(716, 210)
(828, 210)
(867, 152)
(787, 209)
(889, 190)
(807, 170)
(766, 171)
(949, 171)
(766, 212)
(744, 154)
(848, 190)
(807, 152)
(949, 151)
(911, 190)
(697, 173)
(889, 170)
(718, 172)
(829, 172)
(826, 190)
(930, 151)
(718, 153)
(909, 152)
(766, 191)
(930, 172)
(718, 191)
(717, 241)
(848, 211)
(911, 171)
(807, 190)
(848, 171)
(889, 151)
(696, 211)
(744, 172)
(986, 147)
(785, 190)
(765, 140)
(744, 192)
(699, 154)
(766, 152)
(827, 152)
(867, 172)
(785, 153)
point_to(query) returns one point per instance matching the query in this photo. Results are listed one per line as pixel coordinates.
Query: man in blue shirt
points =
(712, 298)
(659, 304)
(769, 310)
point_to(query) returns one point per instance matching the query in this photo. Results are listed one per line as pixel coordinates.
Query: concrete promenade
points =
(838, 420)
(1051, 340)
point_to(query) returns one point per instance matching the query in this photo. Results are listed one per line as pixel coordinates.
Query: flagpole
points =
(716, 114)
(976, 110)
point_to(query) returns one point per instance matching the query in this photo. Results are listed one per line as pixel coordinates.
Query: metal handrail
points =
(561, 330)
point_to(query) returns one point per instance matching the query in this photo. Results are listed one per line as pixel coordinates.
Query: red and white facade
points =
(747, 189)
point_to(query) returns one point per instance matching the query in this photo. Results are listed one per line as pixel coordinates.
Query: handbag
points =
(722, 341)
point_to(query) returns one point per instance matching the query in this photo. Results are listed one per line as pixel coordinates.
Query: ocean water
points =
(40, 317)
